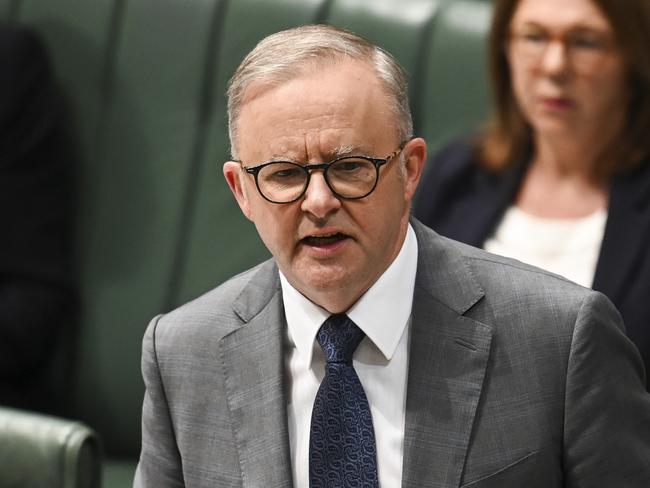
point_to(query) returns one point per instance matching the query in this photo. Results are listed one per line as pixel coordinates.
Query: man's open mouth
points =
(324, 240)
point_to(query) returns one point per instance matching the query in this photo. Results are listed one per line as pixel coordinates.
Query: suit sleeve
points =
(607, 409)
(160, 461)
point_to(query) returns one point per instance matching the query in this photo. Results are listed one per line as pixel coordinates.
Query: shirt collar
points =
(382, 312)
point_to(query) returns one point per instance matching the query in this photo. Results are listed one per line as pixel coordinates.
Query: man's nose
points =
(319, 199)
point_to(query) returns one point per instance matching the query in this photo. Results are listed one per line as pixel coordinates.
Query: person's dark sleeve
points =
(36, 272)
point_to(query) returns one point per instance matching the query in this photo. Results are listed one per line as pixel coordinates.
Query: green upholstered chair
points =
(38, 451)
(453, 96)
(145, 82)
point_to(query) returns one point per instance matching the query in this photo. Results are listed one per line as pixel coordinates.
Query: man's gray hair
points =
(291, 53)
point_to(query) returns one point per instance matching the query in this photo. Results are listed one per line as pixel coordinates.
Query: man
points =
(472, 370)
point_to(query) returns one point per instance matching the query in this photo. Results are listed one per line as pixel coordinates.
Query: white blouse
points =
(568, 247)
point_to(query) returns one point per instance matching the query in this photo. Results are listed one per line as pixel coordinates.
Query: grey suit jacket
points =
(517, 378)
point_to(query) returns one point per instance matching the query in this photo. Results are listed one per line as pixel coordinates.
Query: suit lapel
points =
(448, 359)
(253, 365)
(628, 225)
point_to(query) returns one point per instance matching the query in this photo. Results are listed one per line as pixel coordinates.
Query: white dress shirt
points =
(568, 247)
(381, 361)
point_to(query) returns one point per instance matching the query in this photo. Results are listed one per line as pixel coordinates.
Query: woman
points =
(560, 178)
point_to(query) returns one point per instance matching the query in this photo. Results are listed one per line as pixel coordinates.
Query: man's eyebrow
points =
(348, 150)
(337, 152)
(279, 157)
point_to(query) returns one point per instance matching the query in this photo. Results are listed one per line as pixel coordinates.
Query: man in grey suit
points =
(476, 370)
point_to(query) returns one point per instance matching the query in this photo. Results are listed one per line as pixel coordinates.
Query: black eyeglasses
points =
(349, 177)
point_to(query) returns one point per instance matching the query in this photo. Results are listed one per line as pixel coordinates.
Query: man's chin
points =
(322, 278)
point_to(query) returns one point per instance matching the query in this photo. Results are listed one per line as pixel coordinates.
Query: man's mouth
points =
(324, 240)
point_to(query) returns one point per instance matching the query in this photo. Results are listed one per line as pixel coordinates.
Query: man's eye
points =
(281, 174)
(286, 173)
(349, 165)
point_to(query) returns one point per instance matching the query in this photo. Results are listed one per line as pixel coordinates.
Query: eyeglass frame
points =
(519, 36)
(308, 168)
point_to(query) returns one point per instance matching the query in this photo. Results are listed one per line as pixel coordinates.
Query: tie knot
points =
(339, 337)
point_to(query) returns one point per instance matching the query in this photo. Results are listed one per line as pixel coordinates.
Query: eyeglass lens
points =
(585, 48)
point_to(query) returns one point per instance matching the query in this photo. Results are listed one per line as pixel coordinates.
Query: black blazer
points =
(463, 201)
(36, 272)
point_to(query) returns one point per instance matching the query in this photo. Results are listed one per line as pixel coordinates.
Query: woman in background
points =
(560, 178)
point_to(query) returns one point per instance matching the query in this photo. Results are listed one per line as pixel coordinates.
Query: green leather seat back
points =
(138, 76)
(66, 452)
(455, 88)
(78, 36)
(148, 142)
(6, 7)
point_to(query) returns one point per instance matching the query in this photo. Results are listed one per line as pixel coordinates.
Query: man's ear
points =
(232, 173)
(415, 154)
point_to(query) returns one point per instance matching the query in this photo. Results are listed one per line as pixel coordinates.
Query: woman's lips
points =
(556, 103)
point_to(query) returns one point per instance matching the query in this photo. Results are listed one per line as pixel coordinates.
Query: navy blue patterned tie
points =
(342, 451)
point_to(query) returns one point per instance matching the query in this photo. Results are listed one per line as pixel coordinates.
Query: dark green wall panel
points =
(455, 89)
(148, 138)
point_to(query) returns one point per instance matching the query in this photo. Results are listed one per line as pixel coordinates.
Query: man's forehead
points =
(342, 112)
(304, 148)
